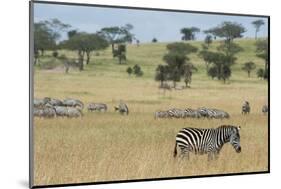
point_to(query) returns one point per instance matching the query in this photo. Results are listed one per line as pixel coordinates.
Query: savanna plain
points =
(107, 146)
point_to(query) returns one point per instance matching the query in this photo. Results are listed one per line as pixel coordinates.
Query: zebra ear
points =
(239, 127)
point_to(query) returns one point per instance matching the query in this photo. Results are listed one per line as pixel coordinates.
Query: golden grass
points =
(108, 146)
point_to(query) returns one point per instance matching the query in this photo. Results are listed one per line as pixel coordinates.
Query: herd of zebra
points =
(71, 108)
(203, 112)
(192, 113)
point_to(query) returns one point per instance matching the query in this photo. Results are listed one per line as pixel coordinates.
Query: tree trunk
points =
(256, 35)
(81, 60)
(88, 53)
(112, 48)
(120, 59)
(249, 73)
(175, 83)
(42, 52)
(161, 84)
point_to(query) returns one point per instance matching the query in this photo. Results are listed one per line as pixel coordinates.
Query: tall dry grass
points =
(108, 146)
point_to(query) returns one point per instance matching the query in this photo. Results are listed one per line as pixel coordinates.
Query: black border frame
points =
(31, 154)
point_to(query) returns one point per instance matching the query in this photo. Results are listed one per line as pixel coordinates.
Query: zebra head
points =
(235, 139)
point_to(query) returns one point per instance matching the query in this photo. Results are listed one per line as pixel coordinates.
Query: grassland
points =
(108, 146)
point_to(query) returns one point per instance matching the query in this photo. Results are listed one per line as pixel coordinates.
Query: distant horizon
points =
(164, 26)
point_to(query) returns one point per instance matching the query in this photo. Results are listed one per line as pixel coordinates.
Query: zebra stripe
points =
(207, 141)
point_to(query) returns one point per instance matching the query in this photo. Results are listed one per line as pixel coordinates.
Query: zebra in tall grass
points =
(188, 112)
(161, 114)
(97, 107)
(73, 103)
(122, 108)
(176, 113)
(213, 113)
(246, 108)
(207, 141)
(264, 109)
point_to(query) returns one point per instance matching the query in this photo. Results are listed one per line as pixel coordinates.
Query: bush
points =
(55, 54)
(129, 70)
(213, 72)
(260, 73)
(137, 70)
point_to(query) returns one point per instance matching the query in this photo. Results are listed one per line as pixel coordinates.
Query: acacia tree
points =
(178, 64)
(227, 30)
(257, 24)
(84, 43)
(189, 33)
(161, 74)
(44, 38)
(248, 67)
(223, 60)
(117, 34)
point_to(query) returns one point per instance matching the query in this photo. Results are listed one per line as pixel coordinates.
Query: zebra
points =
(46, 112)
(246, 108)
(97, 106)
(73, 103)
(264, 109)
(40, 103)
(207, 141)
(177, 113)
(55, 102)
(161, 114)
(212, 113)
(203, 112)
(74, 112)
(188, 112)
(122, 108)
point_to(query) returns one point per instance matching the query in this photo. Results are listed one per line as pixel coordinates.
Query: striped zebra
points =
(122, 108)
(246, 108)
(176, 113)
(188, 112)
(213, 113)
(97, 107)
(161, 114)
(207, 141)
(73, 103)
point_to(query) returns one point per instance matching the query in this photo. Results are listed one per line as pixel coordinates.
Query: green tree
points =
(213, 72)
(260, 73)
(189, 33)
(161, 74)
(44, 38)
(117, 34)
(257, 24)
(84, 43)
(120, 52)
(207, 56)
(154, 40)
(176, 60)
(137, 70)
(262, 52)
(248, 67)
(57, 27)
(227, 30)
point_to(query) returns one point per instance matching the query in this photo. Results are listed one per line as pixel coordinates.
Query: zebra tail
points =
(175, 150)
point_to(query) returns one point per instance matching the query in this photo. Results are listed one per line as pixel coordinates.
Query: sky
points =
(163, 25)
